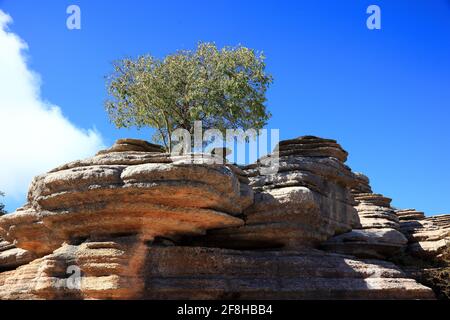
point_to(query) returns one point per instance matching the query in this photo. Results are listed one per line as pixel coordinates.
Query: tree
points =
(2, 206)
(224, 88)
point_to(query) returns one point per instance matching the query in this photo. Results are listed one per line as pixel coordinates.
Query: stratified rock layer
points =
(427, 256)
(12, 257)
(110, 269)
(427, 237)
(123, 145)
(374, 210)
(126, 192)
(135, 223)
(211, 273)
(303, 203)
(95, 269)
(409, 214)
(379, 237)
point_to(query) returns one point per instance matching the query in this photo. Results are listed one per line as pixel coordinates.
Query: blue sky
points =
(383, 94)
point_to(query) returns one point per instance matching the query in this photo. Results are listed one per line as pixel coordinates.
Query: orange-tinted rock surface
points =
(134, 223)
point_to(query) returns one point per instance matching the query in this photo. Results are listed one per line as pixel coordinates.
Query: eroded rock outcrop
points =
(427, 258)
(12, 257)
(230, 274)
(150, 198)
(409, 214)
(374, 210)
(134, 223)
(428, 237)
(303, 204)
(379, 236)
(98, 268)
(124, 191)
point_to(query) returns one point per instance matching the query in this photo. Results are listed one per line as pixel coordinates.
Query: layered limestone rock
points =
(122, 145)
(305, 201)
(98, 268)
(134, 223)
(11, 257)
(211, 273)
(109, 269)
(409, 214)
(379, 236)
(150, 197)
(368, 243)
(427, 237)
(374, 210)
(427, 256)
(124, 191)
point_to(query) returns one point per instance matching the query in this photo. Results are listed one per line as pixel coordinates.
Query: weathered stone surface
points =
(201, 273)
(374, 210)
(134, 223)
(376, 216)
(379, 237)
(306, 202)
(311, 146)
(409, 214)
(125, 268)
(362, 184)
(428, 237)
(369, 243)
(437, 278)
(427, 257)
(152, 199)
(12, 257)
(108, 269)
(122, 145)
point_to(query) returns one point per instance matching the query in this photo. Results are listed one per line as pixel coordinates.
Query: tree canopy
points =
(224, 88)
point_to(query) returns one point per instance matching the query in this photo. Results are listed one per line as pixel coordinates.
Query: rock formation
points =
(133, 222)
(427, 257)
(12, 257)
(304, 203)
(379, 235)
(122, 191)
(427, 237)
(310, 274)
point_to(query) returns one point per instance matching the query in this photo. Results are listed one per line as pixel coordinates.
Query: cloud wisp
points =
(34, 134)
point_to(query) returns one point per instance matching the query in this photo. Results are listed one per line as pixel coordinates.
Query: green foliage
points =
(224, 88)
(2, 206)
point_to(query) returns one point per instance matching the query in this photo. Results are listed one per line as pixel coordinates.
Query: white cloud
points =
(34, 134)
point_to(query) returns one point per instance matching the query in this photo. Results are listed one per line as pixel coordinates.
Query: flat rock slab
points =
(201, 273)
(368, 243)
